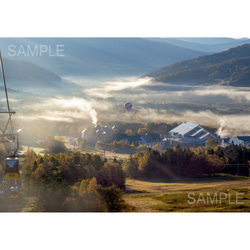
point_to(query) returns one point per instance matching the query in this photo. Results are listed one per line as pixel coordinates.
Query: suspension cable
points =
(7, 99)
(9, 122)
(6, 93)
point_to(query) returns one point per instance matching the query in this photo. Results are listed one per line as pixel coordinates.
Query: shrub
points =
(111, 174)
(113, 197)
(53, 145)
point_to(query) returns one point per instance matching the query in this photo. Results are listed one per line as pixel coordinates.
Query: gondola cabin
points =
(12, 168)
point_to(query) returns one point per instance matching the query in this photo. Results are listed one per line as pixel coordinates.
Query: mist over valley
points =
(95, 77)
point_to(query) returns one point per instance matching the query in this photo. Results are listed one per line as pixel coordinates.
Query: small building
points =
(150, 139)
(120, 137)
(135, 139)
(89, 134)
(235, 142)
(245, 139)
(241, 141)
(105, 134)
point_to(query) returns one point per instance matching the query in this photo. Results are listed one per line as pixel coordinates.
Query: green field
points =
(215, 194)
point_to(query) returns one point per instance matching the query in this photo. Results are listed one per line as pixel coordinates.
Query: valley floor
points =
(212, 194)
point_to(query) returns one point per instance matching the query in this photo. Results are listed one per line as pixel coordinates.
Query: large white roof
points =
(184, 128)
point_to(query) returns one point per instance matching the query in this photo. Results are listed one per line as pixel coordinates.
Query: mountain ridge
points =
(231, 67)
(209, 45)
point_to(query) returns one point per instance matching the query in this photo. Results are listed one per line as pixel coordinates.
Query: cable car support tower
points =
(10, 138)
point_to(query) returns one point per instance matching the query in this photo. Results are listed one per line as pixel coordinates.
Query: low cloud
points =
(234, 125)
(141, 92)
(234, 93)
(108, 89)
(64, 109)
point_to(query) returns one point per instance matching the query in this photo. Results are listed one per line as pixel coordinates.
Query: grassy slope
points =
(165, 196)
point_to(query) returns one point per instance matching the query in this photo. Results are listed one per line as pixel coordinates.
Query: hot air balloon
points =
(128, 106)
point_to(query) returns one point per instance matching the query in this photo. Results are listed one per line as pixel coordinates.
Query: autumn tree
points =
(157, 147)
(216, 164)
(211, 143)
(111, 174)
(145, 167)
(131, 168)
(53, 145)
(129, 132)
(113, 197)
(143, 147)
(85, 198)
(143, 131)
(159, 128)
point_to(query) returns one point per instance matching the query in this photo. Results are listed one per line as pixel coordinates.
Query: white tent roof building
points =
(190, 130)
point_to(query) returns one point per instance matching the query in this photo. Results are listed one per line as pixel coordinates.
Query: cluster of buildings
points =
(187, 135)
(192, 135)
(105, 134)
(242, 141)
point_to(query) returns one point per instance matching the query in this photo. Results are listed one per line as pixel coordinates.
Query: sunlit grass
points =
(207, 196)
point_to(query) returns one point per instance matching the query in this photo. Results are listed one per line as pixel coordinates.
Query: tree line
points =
(125, 145)
(195, 163)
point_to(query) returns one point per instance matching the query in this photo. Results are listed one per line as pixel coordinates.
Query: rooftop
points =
(244, 138)
(235, 141)
(184, 128)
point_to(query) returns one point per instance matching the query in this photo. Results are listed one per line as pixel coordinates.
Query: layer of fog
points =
(64, 109)
(142, 91)
(108, 88)
(104, 99)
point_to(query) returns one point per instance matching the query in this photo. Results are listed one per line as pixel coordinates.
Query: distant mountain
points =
(34, 61)
(231, 67)
(19, 72)
(97, 56)
(205, 45)
(209, 40)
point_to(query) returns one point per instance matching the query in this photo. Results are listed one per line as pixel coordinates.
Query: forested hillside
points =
(231, 67)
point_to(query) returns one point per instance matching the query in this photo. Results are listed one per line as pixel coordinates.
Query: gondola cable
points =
(12, 161)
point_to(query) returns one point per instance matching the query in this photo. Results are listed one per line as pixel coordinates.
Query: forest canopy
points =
(73, 182)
